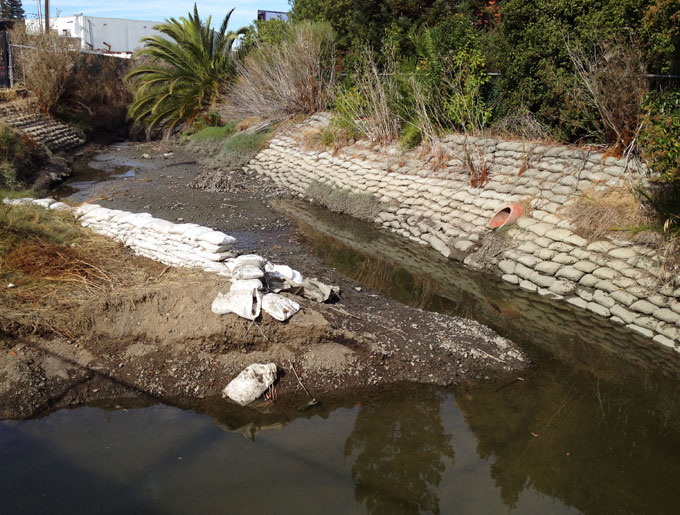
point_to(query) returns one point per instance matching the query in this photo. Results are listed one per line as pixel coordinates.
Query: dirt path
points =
(158, 339)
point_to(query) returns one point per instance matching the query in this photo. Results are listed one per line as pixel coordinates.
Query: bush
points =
(611, 80)
(277, 80)
(43, 63)
(20, 158)
(660, 137)
(371, 105)
(237, 151)
(97, 96)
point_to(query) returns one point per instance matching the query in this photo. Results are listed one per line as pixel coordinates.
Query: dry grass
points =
(598, 213)
(55, 265)
(295, 76)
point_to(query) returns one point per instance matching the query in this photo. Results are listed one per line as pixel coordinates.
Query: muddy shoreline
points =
(160, 341)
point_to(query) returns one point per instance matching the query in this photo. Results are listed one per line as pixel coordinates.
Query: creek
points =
(592, 427)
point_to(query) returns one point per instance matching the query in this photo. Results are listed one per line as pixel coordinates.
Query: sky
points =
(158, 10)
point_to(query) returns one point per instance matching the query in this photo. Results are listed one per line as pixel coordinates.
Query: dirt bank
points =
(154, 334)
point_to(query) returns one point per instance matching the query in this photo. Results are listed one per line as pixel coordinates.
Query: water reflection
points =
(400, 452)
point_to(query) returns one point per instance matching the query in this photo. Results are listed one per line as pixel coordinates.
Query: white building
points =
(115, 35)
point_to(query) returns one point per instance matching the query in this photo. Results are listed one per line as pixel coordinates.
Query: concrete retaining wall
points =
(612, 278)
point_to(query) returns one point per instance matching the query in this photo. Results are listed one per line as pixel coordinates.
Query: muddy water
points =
(594, 427)
(90, 170)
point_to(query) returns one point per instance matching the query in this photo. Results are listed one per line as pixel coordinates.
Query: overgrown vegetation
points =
(20, 157)
(84, 89)
(283, 76)
(189, 71)
(226, 149)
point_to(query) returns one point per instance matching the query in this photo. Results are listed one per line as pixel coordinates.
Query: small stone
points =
(642, 306)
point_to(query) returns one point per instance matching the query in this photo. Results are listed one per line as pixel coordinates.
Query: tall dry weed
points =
(280, 80)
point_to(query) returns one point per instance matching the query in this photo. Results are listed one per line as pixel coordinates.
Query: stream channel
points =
(593, 427)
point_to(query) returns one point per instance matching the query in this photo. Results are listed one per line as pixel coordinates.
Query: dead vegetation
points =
(48, 265)
(363, 206)
(599, 213)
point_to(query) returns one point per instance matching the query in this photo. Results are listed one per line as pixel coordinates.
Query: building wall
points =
(121, 35)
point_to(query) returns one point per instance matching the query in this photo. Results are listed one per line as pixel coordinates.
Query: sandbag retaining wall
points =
(612, 278)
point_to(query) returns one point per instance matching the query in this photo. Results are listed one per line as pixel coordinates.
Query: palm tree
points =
(188, 72)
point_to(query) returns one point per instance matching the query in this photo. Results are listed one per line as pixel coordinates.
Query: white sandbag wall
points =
(184, 245)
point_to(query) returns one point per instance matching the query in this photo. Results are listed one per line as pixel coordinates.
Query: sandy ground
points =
(159, 340)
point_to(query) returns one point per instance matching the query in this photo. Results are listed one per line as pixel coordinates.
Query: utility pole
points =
(47, 16)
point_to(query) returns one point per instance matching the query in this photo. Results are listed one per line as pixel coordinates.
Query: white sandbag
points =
(251, 383)
(215, 249)
(285, 272)
(212, 256)
(160, 226)
(279, 307)
(193, 233)
(217, 238)
(85, 208)
(59, 206)
(248, 284)
(246, 304)
(246, 272)
(249, 260)
(100, 214)
(43, 202)
(181, 228)
(317, 291)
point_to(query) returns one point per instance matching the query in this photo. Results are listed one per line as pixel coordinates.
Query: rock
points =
(251, 383)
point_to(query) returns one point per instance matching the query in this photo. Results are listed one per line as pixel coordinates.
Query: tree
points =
(190, 70)
(11, 10)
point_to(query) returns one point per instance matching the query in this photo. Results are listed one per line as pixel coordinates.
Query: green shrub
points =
(236, 151)
(660, 137)
(216, 133)
(411, 136)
